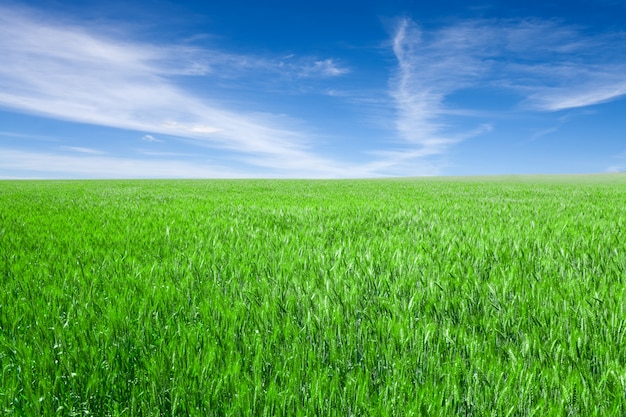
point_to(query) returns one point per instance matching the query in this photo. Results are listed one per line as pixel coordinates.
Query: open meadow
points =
(501, 296)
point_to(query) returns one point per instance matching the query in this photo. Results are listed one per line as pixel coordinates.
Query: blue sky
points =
(324, 89)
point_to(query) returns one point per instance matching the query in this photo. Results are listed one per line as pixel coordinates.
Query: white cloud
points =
(324, 68)
(550, 66)
(80, 149)
(49, 165)
(587, 93)
(30, 136)
(429, 69)
(163, 154)
(71, 73)
(150, 138)
(560, 67)
(39, 164)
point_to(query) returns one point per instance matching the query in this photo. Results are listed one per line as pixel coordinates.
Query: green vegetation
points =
(442, 297)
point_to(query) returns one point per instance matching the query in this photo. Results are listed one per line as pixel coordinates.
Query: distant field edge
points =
(592, 178)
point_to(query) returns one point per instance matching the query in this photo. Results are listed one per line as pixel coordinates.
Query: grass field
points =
(484, 296)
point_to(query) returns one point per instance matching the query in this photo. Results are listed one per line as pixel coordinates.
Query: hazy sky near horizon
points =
(324, 89)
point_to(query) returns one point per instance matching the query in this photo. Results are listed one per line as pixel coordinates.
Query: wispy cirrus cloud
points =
(76, 164)
(599, 87)
(36, 164)
(547, 65)
(150, 138)
(430, 68)
(323, 68)
(82, 150)
(187, 60)
(68, 72)
(17, 135)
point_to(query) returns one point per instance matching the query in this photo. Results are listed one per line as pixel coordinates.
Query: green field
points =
(486, 296)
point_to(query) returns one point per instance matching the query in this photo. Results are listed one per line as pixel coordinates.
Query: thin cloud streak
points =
(30, 136)
(86, 166)
(83, 150)
(590, 93)
(150, 138)
(324, 68)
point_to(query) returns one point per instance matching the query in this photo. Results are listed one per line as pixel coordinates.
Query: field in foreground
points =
(301, 298)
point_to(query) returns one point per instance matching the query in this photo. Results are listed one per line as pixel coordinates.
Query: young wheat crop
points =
(374, 297)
